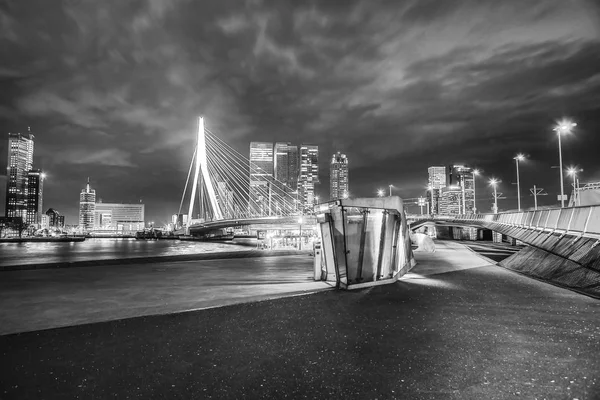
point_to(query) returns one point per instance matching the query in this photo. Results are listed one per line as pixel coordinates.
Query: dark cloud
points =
(112, 90)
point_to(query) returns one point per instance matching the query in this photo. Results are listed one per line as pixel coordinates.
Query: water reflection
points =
(103, 249)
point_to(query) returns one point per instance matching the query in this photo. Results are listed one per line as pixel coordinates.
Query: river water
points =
(105, 249)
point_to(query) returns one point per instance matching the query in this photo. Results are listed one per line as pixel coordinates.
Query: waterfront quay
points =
(456, 327)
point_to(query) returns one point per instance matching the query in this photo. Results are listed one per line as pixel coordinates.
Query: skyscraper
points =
(87, 208)
(437, 177)
(286, 164)
(35, 189)
(261, 175)
(309, 175)
(462, 177)
(20, 162)
(437, 181)
(338, 181)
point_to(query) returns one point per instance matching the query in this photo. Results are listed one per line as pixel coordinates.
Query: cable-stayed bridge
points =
(225, 189)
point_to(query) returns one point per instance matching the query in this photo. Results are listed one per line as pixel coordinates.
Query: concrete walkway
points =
(52, 298)
(442, 332)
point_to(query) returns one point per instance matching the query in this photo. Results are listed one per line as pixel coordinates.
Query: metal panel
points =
(564, 219)
(593, 225)
(543, 221)
(528, 218)
(553, 219)
(579, 220)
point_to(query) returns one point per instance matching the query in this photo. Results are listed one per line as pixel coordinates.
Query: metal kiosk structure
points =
(365, 242)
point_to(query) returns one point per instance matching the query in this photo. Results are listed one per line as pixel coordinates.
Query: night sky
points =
(112, 90)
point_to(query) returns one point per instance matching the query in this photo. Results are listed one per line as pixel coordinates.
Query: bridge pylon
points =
(201, 167)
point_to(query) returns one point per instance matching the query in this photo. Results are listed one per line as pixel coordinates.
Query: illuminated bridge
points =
(226, 190)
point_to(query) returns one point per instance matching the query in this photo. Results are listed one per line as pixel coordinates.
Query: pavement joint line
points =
(260, 300)
(254, 299)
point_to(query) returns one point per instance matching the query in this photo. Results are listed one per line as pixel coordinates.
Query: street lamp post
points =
(475, 173)
(519, 157)
(564, 126)
(573, 172)
(494, 183)
(300, 241)
(391, 190)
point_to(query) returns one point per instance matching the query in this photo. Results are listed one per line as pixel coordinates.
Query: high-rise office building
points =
(462, 177)
(436, 182)
(338, 177)
(450, 201)
(261, 175)
(309, 175)
(286, 164)
(87, 208)
(437, 177)
(20, 162)
(119, 217)
(35, 190)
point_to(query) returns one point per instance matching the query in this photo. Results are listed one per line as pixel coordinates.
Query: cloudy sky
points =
(112, 89)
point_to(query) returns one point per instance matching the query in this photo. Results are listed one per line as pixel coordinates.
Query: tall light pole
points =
(494, 183)
(300, 241)
(391, 190)
(573, 172)
(475, 173)
(519, 157)
(565, 126)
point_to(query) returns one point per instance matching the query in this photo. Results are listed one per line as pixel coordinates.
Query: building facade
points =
(338, 177)
(308, 176)
(462, 177)
(436, 182)
(119, 217)
(35, 190)
(261, 176)
(437, 177)
(450, 201)
(55, 219)
(286, 165)
(87, 208)
(20, 162)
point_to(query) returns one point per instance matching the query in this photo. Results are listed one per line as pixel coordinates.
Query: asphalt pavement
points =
(478, 332)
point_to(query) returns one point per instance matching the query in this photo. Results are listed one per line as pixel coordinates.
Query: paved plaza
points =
(465, 329)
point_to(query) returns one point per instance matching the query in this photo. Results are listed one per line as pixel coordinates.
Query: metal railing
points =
(581, 221)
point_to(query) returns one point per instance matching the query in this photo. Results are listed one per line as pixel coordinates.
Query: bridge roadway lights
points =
(365, 242)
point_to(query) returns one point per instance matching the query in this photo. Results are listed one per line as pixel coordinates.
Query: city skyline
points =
(475, 90)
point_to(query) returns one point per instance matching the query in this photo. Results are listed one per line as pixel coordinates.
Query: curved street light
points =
(563, 127)
(519, 157)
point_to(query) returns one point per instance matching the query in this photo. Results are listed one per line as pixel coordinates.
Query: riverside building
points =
(338, 173)
(119, 217)
(87, 208)
(20, 162)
